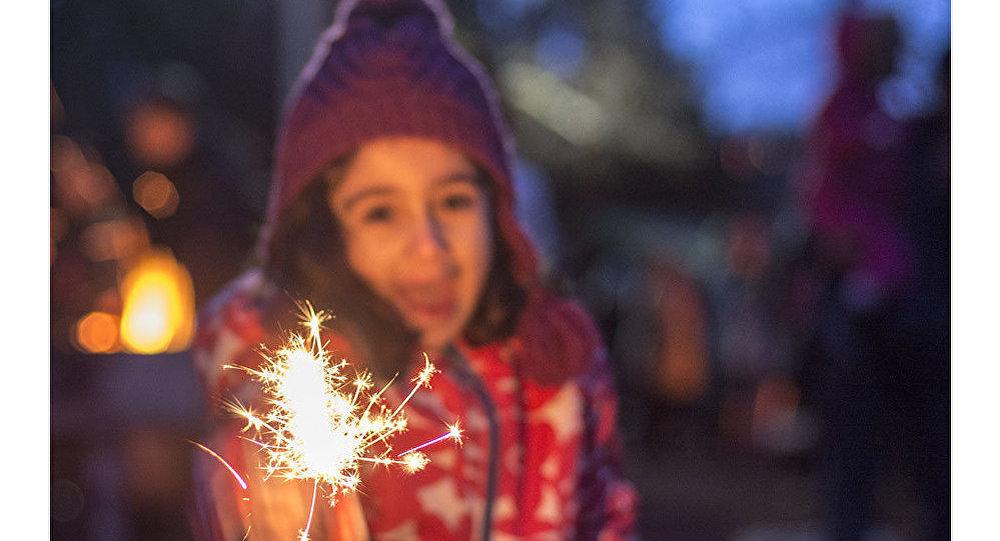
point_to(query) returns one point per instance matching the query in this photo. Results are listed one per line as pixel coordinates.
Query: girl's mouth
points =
(434, 303)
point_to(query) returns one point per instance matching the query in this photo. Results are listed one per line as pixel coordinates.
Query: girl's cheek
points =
(476, 230)
(375, 243)
(469, 241)
(367, 258)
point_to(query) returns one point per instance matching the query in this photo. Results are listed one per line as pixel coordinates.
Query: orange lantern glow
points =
(158, 308)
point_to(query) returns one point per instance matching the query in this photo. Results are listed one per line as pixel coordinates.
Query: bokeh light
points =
(81, 185)
(158, 310)
(160, 135)
(156, 194)
(97, 332)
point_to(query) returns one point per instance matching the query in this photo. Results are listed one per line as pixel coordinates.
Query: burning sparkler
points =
(320, 423)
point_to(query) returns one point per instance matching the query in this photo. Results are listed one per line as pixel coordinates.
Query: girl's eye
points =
(377, 214)
(458, 201)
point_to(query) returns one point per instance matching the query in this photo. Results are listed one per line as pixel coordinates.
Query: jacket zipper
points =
(479, 388)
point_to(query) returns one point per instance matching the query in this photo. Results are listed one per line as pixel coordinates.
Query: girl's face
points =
(417, 231)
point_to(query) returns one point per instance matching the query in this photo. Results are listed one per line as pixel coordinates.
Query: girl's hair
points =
(306, 258)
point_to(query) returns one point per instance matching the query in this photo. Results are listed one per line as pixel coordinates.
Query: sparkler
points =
(321, 424)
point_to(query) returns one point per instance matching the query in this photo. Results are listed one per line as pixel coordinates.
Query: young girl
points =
(392, 208)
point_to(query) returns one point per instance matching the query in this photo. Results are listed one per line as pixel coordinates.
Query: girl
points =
(392, 207)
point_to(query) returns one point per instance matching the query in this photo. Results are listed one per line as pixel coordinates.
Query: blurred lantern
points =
(158, 310)
(97, 332)
(156, 194)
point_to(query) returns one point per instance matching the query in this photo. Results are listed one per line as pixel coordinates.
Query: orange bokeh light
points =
(155, 193)
(97, 332)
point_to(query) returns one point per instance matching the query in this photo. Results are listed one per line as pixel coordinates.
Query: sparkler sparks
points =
(320, 424)
(454, 433)
(232, 470)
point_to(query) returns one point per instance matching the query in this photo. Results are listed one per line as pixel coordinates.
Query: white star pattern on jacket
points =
(548, 509)
(562, 413)
(443, 501)
(405, 532)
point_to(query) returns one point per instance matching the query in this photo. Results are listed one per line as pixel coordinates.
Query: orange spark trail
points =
(236, 475)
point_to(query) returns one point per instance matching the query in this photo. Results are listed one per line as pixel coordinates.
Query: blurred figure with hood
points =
(392, 206)
(878, 369)
(855, 171)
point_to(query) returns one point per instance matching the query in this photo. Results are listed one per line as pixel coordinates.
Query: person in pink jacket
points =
(392, 208)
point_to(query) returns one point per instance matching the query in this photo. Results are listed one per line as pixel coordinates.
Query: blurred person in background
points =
(662, 351)
(878, 369)
(392, 206)
(757, 395)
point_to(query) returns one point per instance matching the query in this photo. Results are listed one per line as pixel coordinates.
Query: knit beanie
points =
(391, 68)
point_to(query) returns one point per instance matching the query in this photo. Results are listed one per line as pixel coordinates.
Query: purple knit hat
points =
(390, 67)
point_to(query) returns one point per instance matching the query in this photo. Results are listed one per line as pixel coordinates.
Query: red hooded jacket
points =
(539, 460)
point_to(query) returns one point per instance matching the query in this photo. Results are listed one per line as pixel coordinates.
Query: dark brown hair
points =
(306, 258)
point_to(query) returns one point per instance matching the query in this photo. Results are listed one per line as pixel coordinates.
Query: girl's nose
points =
(428, 237)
